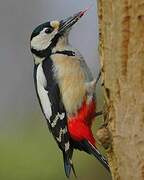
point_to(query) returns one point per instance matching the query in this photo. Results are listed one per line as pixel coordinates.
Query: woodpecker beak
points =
(66, 24)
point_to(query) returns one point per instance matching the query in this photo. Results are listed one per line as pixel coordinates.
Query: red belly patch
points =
(79, 126)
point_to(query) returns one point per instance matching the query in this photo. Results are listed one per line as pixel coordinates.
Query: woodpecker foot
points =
(104, 137)
(99, 113)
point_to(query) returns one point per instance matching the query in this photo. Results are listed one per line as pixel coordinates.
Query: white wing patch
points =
(42, 93)
(62, 131)
(67, 145)
(58, 116)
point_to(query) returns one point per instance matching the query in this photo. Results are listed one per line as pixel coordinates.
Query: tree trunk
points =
(121, 47)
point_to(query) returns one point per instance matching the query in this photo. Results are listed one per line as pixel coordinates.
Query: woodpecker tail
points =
(68, 165)
(92, 150)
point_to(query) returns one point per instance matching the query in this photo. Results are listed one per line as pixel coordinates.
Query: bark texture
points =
(121, 47)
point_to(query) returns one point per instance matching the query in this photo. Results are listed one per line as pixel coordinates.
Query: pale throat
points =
(62, 44)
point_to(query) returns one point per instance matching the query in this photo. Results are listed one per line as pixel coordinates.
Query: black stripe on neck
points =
(41, 53)
(65, 52)
(48, 51)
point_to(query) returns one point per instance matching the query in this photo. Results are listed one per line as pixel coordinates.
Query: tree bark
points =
(121, 28)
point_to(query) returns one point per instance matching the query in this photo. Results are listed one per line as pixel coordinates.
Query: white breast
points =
(71, 81)
(42, 93)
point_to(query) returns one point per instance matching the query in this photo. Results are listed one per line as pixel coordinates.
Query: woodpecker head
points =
(47, 36)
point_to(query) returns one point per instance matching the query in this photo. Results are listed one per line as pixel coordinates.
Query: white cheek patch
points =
(42, 40)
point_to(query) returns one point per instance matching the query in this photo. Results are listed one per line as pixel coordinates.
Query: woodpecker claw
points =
(99, 113)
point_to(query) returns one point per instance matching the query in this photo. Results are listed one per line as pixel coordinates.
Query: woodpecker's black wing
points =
(86, 146)
(50, 100)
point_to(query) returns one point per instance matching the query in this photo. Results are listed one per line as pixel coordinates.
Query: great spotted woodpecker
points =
(65, 89)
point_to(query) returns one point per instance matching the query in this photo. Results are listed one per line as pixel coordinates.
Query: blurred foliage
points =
(28, 152)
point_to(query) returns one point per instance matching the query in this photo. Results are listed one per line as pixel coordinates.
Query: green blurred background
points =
(27, 149)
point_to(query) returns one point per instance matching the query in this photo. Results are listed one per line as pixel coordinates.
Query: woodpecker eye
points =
(49, 30)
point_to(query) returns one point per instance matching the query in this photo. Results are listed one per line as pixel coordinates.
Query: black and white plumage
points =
(48, 93)
(53, 109)
(62, 80)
